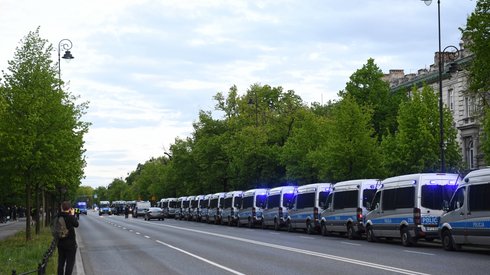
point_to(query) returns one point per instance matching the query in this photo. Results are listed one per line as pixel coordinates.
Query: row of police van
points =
(410, 207)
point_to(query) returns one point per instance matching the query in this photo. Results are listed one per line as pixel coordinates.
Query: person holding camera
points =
(67, 247)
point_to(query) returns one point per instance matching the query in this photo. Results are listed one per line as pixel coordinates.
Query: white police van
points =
(179, 209)
(253, 203)
(409, 207)
(195, 207)
(305, 210)
(204, 208)
(276, 211)
(231, 205)
(467, 220)
(346, 207)
(169, 207)
(187, 208)
(215, 208)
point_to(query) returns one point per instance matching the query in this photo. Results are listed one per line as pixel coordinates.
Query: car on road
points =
(154, 213)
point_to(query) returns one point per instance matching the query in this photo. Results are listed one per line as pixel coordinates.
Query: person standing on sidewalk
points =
(67, 247)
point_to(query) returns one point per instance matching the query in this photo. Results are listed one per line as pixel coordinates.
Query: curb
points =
(78, 258)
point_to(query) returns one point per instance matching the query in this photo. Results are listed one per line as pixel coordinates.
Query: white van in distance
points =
(305, 210)
(231, 205)
(409, 207)
(467, 220)
(346, 207)
(276, 210)
(253, 203)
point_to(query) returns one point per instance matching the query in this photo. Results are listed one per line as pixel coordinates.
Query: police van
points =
(195, 207)
(168, 205)
(276, 211)
(105, 208)
(186, 209)
(179, 208)
(467, 220)
(215, 208)
(231, 205)
(204, 208)
(409, 207)
(253, 203)
(305, 210)
(345, 207)
(140, 208)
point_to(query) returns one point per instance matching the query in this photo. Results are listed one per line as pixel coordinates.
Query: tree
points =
(42, 135)
(477, 40)
(350, 150)
(414, 148)
(367, 88)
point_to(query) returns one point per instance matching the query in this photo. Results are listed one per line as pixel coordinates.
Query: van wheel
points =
(276, 225)
(351, 234)
(448, 241)
(370, 235)
(309, 228)
(324, 229)
(406, 238)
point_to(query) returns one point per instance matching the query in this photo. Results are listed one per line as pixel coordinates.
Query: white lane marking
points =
(130, 230)
(275, 233)
(124, 228)
(302, 251)
(137, 233)
(146, 236)
(417, 252)
(304, 237)
(201, 258)
(356, 244)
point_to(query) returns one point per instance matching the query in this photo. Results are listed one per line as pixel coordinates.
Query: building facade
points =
(455, 96)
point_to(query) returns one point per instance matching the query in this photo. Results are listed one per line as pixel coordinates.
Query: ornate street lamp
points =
(65, 45)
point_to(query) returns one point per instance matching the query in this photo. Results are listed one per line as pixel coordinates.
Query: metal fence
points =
(41, 268)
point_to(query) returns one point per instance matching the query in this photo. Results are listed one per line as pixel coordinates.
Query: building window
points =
(469, 106)
(469, 152)
(450, 99)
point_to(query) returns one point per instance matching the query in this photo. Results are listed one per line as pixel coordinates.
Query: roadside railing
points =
(41, 268)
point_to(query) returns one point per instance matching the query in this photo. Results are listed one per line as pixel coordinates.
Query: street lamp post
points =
(441, 113)
(65, 45)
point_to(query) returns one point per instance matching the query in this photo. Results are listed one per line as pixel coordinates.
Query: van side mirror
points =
(368, 206)
(322, 205)
(445, 205)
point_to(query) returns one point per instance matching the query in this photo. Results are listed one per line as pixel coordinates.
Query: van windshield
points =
(172, 204)
(433, 196)
(367, 196)
(287, 199)
(260, 200)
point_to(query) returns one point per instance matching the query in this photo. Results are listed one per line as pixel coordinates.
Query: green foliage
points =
(415, 147)
(350, 150)
(368, 89)
(477, 38)
(41, 144)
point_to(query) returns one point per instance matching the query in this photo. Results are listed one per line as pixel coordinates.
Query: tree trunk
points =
(28, 210)
(37, 204)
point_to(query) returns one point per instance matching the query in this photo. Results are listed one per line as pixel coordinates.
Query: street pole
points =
(65, 45)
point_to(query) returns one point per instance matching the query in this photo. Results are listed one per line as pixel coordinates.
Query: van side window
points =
(376, 200)
(399, 198)
(433, 196)
(238, 202)
(305, 200)
(273, 201)
(345, 199)
(247, 202)
(329, 200)
(479, 197)
(457, 200)
(367, 196)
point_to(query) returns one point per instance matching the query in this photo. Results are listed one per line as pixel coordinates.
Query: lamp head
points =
(67, 55)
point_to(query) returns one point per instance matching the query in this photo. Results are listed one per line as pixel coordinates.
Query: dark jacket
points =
(71, 222)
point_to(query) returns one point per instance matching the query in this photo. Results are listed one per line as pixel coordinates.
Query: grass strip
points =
(18, 254)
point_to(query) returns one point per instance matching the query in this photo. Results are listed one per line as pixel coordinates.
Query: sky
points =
(147, 68)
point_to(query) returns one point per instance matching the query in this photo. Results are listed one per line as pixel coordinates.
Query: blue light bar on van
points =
(414, 182)
(372, 186)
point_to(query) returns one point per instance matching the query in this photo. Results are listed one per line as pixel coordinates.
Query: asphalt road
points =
(115, 245)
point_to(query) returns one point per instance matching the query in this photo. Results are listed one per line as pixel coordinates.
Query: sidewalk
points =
(11, 228)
